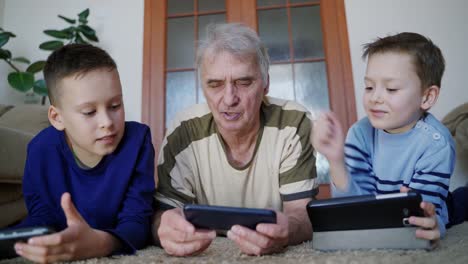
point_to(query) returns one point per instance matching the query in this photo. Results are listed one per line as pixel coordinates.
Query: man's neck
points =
(240, 147)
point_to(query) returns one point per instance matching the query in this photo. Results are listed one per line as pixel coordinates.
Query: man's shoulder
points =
(284, 113)
(197, 119)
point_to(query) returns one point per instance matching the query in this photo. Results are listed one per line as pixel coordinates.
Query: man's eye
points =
(243, 82)
(214, 84)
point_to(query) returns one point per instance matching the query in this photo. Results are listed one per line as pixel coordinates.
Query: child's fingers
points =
(429, 209)
(424, 222)
(34, 252)
(47, 240)
(433, 234)
(71, 213)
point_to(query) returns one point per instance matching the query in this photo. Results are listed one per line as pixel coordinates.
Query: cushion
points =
(17, 127)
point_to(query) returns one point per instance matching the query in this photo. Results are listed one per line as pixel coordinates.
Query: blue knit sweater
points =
(422, 159)
(115, 196)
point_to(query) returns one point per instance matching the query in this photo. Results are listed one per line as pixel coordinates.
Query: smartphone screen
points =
(9, 237)
(224, 217)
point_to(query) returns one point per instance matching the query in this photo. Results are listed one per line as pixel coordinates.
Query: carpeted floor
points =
(453, 249)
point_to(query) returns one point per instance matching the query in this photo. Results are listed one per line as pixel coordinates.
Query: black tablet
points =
(364, 212)
(224, 217)
(9, 237)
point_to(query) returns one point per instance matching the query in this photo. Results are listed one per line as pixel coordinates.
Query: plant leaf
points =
(40, 88)
(36, 67)
(21, 59)
(57, 34)
(21, 81)
(79, 39)
(83, 21)
(5, 54)
(88, 32)
(69, 20)
(4, 37)
(84, 14)
(51, 45)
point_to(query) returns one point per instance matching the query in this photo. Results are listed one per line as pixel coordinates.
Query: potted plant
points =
(24, 81)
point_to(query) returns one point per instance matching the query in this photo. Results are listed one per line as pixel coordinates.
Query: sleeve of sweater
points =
(432, 176)
(358, 162)
(134, 219)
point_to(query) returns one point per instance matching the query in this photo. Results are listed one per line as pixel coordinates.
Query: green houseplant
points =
(77, 31)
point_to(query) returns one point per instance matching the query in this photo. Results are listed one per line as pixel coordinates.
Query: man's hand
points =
(77, 241)
(430, 226)
(292, 227)
(178, 237)
(266, 239)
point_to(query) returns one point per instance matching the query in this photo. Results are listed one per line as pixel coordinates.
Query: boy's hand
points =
(266, 239)
(328, 137)
(430, 226)
(77, 241)
(179, 237)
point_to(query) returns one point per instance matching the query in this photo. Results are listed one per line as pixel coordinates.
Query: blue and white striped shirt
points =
(422, 159)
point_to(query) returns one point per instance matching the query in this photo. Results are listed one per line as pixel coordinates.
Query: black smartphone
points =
(224, 217)
(9, 237)
(364, 212)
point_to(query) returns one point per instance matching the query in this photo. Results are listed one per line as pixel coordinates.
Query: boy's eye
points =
(88, 113)
(390, 90)
(115, 106)
(368, 88)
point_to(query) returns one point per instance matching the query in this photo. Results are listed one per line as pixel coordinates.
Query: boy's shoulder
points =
(135, 131)
(431, 127)
(48, 137)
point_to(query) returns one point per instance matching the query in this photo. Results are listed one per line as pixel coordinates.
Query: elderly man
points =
(240, 149)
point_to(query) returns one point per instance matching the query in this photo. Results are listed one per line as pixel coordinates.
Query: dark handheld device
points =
(224, 217)
(9, 237)
(364, 212)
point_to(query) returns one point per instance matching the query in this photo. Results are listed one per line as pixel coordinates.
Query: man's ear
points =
(267, 86)
(55, 118)
(430, 97)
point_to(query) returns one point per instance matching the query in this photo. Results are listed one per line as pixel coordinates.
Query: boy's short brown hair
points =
(73, 59)
(426, 56)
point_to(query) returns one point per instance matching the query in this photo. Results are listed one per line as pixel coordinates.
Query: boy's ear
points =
(430, 97)
(55, 118)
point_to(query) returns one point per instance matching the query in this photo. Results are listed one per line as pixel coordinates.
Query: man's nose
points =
(230, 96)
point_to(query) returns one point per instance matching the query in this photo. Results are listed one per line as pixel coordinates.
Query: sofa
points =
(457, 123)
(18, 125)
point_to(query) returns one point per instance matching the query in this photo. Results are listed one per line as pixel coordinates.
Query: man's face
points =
(92, 114)
(393, 95)
(234, 91)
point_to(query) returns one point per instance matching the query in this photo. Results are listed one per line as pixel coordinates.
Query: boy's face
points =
(91, 112)
(393, 96)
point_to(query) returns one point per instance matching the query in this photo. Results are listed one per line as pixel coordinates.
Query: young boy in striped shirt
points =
(399, 146)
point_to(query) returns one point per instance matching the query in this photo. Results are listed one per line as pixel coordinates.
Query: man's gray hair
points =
(236, 39)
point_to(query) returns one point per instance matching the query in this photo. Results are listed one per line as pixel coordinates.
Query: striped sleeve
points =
(361, 178)
(431, 177)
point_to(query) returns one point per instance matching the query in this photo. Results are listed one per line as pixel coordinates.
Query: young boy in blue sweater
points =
(90, 175)
(399, 145)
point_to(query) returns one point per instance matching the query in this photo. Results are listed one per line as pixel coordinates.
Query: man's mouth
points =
(231, 116)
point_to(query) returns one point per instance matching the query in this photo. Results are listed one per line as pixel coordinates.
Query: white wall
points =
(119, 26)
(444, 22)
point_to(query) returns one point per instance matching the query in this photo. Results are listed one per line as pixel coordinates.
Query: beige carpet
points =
(453, 249)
